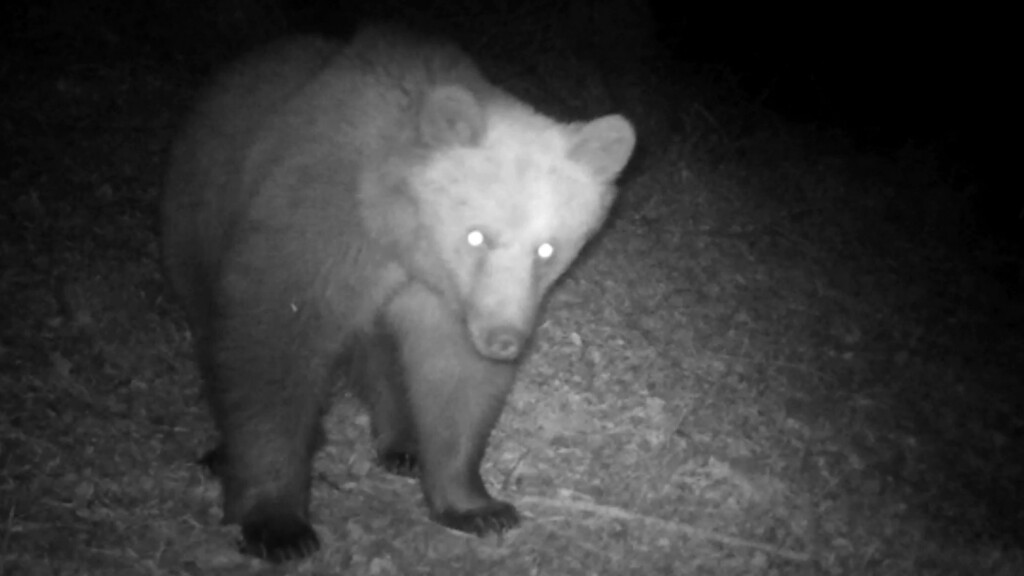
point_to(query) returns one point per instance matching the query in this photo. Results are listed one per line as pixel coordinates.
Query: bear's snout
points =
(504, 343)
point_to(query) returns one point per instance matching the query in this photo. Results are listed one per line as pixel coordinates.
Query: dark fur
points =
(301, 258)
(262, 279)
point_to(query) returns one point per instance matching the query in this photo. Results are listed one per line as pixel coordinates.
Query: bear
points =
(373, 213)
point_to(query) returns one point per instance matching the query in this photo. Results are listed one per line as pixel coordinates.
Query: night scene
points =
(467, 287)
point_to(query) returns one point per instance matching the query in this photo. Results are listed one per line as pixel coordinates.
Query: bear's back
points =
(303, 109)
(203, 197)
(307, 97)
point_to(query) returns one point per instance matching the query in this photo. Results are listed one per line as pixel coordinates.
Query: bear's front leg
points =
(455, 396)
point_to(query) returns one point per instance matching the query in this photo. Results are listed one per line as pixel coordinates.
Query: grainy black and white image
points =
(563, 288)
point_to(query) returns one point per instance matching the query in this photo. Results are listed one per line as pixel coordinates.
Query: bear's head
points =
(504, 199)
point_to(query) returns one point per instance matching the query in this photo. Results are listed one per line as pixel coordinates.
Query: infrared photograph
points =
(478, 287)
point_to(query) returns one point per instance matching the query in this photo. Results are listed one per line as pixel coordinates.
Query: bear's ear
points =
(451, 116)
(604, 146)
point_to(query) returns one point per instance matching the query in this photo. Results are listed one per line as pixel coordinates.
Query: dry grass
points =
(769, 364)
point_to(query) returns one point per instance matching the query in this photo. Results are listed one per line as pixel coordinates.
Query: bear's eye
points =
(476, 238)
(545, 251)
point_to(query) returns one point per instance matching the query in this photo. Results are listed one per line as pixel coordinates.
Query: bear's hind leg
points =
(377, 375)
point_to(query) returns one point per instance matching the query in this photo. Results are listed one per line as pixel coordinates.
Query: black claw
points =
(496, 518)
(400, 463)
(278, 537)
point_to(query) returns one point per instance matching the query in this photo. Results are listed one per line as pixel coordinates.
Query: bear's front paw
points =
(278, 537)
(400, 463)
(496, 517)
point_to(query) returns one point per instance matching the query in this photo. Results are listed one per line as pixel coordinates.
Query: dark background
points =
(931, 77)
(881, 78)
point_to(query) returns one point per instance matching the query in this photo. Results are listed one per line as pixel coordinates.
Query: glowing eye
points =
(545, 251)
(475, 238)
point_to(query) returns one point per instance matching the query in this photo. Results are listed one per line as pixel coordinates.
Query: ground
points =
(778, 359)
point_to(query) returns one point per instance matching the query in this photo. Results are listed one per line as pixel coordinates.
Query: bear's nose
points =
(504, 343)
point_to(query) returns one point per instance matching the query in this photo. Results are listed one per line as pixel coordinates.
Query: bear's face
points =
(507, 200)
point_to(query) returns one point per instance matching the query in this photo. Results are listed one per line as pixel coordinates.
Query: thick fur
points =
(376, 213)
